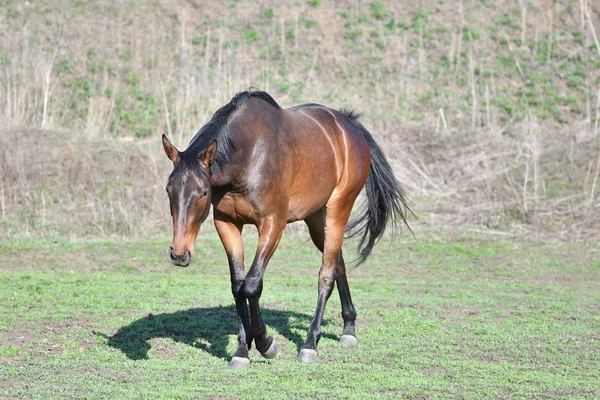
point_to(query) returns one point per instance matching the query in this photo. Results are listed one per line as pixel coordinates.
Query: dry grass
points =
(490, 112)
(501, 183)
(58, 184)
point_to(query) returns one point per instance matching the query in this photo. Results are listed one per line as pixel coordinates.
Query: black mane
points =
(218, 129)
(352, 114)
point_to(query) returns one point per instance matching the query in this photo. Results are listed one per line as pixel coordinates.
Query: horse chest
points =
(236, 208)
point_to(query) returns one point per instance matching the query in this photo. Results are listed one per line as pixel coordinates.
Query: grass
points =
(447, 315)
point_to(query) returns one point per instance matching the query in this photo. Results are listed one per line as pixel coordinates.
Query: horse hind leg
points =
(332, 270)
(316, 228)
(348, 312)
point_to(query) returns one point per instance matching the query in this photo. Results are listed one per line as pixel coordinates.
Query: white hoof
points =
(271, 352)
(239, 363)
(348, 340)
(308, 355)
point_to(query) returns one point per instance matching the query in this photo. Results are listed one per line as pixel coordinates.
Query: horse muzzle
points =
(181, 260)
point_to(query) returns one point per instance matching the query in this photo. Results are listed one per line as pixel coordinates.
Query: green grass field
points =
(445, 315)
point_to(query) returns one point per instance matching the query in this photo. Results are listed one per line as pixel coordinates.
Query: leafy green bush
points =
(251, 35)
(378, 10)
(269, 13)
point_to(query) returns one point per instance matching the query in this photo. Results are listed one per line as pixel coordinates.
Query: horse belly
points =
(317, 189)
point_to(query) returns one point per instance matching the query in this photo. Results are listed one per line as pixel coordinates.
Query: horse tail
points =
(386, 200)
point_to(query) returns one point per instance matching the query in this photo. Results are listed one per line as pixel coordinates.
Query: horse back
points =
(291, 161)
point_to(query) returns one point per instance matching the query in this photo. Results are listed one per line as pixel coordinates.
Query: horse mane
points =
(354, 115)
(218, 129)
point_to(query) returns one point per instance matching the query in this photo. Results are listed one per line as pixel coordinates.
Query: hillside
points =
(489, 111)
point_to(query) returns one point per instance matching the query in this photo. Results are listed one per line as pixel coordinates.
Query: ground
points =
(447, 314)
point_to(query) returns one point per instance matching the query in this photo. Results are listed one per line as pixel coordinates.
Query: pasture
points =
(488, 111)
(448, 314)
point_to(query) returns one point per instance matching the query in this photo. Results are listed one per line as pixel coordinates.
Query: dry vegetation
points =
(489, 110)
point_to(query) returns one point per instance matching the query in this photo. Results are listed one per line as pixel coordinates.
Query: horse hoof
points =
(308, 355)
(348, 340)
(239, 363)
(271, 352)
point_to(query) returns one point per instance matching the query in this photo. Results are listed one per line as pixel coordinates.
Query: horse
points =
(257, 163)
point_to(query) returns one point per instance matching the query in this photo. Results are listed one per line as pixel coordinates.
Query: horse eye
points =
(205, 193)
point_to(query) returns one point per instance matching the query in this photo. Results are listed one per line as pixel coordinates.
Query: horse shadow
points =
(204, 328)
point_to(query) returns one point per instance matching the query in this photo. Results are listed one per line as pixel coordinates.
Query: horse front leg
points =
(270, 231)
(231, 237)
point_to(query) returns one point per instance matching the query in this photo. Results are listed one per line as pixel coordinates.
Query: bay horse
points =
(259, 164)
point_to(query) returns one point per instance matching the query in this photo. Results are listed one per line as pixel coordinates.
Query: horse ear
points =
(209, 155)
(170, 150)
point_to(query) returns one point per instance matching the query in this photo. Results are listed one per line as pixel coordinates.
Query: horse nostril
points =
(187, 256)
(172, 252)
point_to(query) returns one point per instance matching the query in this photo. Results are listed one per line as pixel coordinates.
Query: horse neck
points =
(222, 177)
(226, 174)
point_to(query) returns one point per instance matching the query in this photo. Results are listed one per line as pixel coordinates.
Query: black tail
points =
(386, 200)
